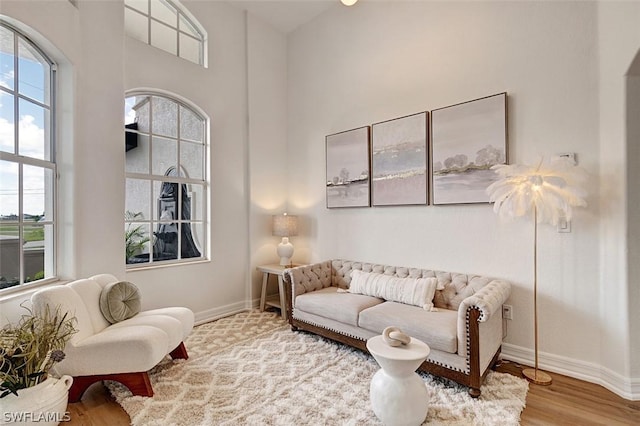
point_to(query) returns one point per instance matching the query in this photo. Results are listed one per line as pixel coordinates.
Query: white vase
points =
(44, 404)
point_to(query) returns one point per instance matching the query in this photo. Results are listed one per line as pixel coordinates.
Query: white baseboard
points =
(220, 312)
(627, 388)
(224, 311)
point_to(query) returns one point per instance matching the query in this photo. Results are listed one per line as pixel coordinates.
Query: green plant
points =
(30, 348)
(134, 235)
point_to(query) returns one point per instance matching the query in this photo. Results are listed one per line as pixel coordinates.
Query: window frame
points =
(51, 245)
(180, 180)
(181, 12)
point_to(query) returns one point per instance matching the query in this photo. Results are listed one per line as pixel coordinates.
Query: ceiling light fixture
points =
(348, 2)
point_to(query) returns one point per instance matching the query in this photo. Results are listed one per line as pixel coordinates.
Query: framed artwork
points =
(348, 168)
(399, 161)
(466, 140)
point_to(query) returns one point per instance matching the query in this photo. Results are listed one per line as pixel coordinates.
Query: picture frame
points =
(399, 161)
(348, 168)
(467, 139)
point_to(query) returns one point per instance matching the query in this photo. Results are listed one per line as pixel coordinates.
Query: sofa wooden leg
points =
(474, 392)
(180, 352)
(138, 383)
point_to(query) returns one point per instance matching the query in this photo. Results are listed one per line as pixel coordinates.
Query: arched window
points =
(167, 25)
(166, 189)
(27, 160)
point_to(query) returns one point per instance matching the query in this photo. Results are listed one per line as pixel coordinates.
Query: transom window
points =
(166, 187)
(27, 161)
(166, 25)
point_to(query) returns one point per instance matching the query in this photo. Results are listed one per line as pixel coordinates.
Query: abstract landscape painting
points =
(467, 139)
(348, 168)
(399, 161)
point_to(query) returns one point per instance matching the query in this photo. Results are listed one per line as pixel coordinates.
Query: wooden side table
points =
(276, 301)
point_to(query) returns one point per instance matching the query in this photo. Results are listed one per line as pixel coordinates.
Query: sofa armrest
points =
(303, 279)
(306, 278)
(488, 300)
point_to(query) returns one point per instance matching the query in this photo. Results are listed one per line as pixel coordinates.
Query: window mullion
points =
(27, 160)
(162, 178)
(179, 141)
(16, 103)
(179, 221)
(149, 23)
(33, 101)
(178, 34)
(151, 220)
(21, 273)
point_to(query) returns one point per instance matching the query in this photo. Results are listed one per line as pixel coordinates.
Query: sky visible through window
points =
(31, 125)
(129, 112)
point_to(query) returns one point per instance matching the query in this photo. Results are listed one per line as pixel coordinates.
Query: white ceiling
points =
(285, 15)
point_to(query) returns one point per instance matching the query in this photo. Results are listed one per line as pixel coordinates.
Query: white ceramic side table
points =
(275, 301)
(398, 395)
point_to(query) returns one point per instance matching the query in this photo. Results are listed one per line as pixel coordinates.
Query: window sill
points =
(169, 264)
(28, 289)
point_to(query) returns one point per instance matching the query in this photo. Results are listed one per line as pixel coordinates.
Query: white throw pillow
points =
(410, 291)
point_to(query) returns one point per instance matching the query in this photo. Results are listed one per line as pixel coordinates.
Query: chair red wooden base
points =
(180, 352)
(138, 383)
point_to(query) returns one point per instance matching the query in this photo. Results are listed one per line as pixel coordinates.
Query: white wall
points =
(618, 44)
(98, 200)
(267, 65)
(633, 197)
(101, 65)
(218, 286)
(380, 60)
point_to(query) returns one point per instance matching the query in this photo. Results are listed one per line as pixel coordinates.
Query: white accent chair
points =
(122, 352)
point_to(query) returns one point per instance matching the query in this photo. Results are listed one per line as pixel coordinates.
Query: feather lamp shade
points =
(549, 190)
(285, 226)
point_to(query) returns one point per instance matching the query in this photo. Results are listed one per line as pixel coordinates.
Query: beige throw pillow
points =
(410, 291)
(119, 301)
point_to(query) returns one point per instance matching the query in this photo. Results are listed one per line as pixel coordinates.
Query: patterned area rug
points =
(251, 369)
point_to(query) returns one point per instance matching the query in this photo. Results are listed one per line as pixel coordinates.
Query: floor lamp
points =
(547, 192)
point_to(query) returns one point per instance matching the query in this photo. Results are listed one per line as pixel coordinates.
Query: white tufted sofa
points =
(464, 333)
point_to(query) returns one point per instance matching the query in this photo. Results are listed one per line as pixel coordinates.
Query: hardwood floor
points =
(97, 408)
(566, 401)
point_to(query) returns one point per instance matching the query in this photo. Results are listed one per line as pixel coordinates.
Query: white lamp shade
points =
(285, 225)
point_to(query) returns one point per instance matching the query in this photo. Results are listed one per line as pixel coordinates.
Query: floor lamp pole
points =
(533, 374)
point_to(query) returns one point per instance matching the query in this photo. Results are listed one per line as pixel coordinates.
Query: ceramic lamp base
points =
(285, 251)
(536, 376)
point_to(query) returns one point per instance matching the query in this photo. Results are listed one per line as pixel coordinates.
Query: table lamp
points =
(285, 226)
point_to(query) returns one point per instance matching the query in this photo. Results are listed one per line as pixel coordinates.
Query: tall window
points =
(27, 161)
(166, 25)
(166, 192)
